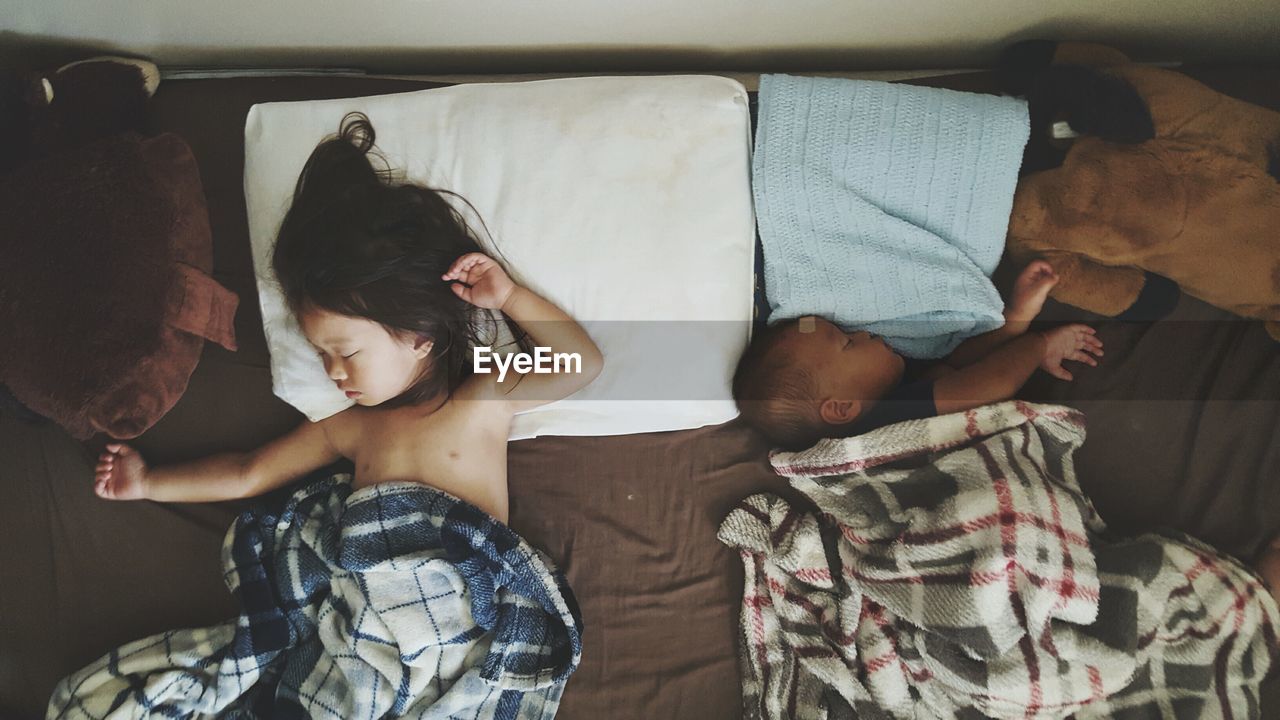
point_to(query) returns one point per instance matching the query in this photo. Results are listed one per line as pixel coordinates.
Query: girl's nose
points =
(334, 371)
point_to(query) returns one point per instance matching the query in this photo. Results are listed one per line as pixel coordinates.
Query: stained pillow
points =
(625, 201)
(105, 296)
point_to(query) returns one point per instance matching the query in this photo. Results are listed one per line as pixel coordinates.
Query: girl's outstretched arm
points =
(122, 474)
(479, 280)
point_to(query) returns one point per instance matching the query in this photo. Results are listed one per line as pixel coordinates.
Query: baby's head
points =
(806, 379)
(359, 259)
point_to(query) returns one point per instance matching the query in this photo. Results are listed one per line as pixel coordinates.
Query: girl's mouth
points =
(352, 394)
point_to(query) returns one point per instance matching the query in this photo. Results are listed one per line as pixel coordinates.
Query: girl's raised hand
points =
(480, 280)
(121, 474)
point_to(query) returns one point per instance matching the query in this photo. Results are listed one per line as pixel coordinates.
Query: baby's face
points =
(368, 363)
(844, 366)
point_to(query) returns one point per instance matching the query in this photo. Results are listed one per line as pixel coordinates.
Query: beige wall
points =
(542, 35)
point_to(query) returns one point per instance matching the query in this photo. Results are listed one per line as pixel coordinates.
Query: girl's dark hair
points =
(357, 242)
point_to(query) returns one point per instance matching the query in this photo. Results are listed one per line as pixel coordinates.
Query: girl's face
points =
(368, 363)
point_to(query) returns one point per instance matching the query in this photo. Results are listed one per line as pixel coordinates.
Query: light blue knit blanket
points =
(884, 207)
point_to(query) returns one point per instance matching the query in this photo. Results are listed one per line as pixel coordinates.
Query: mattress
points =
(1183, 419)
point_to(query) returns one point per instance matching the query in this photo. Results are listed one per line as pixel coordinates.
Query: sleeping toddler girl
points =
(383, 279)
(807, 379)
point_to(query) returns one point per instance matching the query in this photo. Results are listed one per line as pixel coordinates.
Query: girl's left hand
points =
(481, 281)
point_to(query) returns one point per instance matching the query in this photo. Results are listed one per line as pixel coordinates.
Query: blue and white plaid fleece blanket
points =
(884, 207)
(393, 600)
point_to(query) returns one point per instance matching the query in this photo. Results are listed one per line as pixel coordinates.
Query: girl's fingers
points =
(463, 266)
(463, 272)
(457, 266)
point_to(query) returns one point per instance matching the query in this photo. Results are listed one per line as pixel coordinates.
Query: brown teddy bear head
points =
(42, 113)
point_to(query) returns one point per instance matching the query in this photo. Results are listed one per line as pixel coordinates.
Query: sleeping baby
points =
(806, 379)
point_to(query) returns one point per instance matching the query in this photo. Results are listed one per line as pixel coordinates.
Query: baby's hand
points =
(481, 281)
(1069, 342)
(1030, 290)
(121, 474)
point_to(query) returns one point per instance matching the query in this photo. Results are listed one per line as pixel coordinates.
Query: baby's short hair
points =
(776, 394)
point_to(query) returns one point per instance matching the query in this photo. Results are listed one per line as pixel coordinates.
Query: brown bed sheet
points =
(1183, 418)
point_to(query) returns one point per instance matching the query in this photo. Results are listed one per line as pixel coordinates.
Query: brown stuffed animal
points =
(44, 113)
(105, 250)
(1169, 179)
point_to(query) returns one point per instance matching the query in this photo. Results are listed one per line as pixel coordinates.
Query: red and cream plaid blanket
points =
(954, 569)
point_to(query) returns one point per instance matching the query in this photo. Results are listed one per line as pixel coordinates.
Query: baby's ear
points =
(839, 412)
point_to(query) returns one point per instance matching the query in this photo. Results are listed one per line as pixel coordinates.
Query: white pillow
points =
(626, 201)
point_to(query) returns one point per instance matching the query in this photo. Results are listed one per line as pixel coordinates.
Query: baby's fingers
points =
(1080, 356)
(1055, 369)
(105, 489)
(1038, 268)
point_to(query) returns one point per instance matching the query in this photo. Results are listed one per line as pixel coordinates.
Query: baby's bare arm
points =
(1002, 373)
(980, 346)
(994, 378)
(1027, 298)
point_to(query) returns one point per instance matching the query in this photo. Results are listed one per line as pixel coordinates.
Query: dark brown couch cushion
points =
(105, 297)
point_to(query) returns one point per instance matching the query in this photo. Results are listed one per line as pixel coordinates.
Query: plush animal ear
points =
(14, 120)
(1093, 102)
(1021, 62)
(839, 412)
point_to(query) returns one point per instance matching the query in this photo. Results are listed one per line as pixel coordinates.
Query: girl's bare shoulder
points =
(345, 430)
(483, 390)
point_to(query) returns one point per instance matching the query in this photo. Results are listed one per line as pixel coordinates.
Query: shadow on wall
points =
(35, 51)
